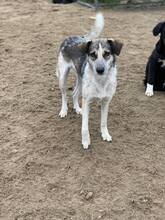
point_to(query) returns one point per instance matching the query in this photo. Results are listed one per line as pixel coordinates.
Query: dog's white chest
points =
(162, 61)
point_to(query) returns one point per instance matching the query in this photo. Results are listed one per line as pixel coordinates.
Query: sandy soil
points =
(44, 172)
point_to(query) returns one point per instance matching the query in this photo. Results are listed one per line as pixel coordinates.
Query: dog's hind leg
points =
(76, 93)
(63, 70)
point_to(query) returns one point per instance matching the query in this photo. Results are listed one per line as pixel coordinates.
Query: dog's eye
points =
(93, 55)
(106, 54)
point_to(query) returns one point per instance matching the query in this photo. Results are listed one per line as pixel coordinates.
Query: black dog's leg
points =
(150, 76)
(152, 71)
(160, 79)
(146, 73)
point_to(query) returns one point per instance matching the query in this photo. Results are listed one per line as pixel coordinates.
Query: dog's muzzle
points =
(100, 70)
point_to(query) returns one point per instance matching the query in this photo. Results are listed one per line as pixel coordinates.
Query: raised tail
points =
(97, 28)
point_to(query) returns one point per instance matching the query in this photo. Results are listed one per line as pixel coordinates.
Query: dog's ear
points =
(157, 29)
(85, 46)
(88, 46)
(116, 46)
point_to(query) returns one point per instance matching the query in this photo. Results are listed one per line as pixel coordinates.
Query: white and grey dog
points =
(94, 61)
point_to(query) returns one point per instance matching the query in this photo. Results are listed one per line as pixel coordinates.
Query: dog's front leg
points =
(85, 117)
(151, 72)
(104, 116)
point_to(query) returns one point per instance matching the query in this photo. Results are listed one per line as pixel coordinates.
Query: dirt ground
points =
(44, 172)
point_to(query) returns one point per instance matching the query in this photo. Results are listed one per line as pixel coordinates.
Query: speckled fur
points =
(94, 62)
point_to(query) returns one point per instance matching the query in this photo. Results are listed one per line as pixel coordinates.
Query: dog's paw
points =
(63, 113)
(85, 146)
(149, 90)
(78, 111)
(149, 93)
(106, 136)
(85, 140)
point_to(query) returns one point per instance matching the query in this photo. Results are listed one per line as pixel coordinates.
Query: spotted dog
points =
(94, 62)
(155, 69)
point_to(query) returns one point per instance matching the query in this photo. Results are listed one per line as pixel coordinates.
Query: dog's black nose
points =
(100, 70)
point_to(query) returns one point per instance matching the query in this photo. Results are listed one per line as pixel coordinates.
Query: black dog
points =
(155, 69)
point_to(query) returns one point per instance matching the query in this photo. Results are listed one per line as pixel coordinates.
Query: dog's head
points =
(160, 29)
(101, 54)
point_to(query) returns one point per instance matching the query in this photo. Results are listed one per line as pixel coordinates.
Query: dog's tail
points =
(97, 28)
